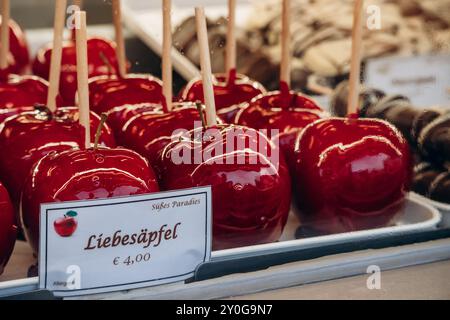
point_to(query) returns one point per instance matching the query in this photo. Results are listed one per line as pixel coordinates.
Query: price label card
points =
(115, 244)
(423, 79)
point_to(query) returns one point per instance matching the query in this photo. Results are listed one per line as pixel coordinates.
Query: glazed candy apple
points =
(8, 228)
(21, 93)
(101, 57)
(124, 97)
(19, 57)
(250, 190)
(150, 132)
(229, 95)
(27, 137)
(95, 173)
(108, 92)
(287, 112)
(351, 174)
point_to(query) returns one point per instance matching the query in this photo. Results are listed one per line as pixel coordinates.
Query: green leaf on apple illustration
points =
(71, 214)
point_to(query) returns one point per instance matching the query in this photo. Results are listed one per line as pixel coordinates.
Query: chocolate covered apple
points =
(230, 89)
(8, 228)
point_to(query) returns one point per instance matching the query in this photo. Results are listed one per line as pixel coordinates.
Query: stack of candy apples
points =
(92, 130)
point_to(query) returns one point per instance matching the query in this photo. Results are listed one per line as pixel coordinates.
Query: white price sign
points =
(423, 79)
(114, 244)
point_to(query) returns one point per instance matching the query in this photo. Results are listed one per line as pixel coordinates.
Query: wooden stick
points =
(82, 76)
(167, 54)
(4, 34)
(230, 63)
(355, 62)
(55, 62)
(205, 63)
(285, 72)
(120, 42)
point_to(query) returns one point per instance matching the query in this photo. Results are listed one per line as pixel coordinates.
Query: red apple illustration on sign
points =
(66, 225)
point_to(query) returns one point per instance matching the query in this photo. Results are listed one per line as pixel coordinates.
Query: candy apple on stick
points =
(230, 89)
(28, 136)
(17, 93)
(86, 172)
(150, 131)
(14, 52)
(102, 61)
(123, 95)
(8, 229)
(351, 173)
(250, 189)
(284, 110)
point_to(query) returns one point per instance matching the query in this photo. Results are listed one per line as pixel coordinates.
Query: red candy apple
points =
(119, 116)
(351, 174)
(229, 95)
(8, 228)
(149, 132)
(21, 93)
(270, 111)
(101, 57)
(19, 56)
(94, 173)
(123, 97)
(250, 191)
(27, 137)
(66, 226)
(107, 93)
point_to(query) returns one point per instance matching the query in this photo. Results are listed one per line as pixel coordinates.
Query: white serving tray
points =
(418, 216)
(144, 19)
(444, 208)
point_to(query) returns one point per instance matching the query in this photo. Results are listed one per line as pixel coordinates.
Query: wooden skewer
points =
(355, 62)
(230, 63)
(285, 72)
(4, 34)
(82, 76)
(120, 42)
(167, 54)
(55, 63)
(205, 63)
